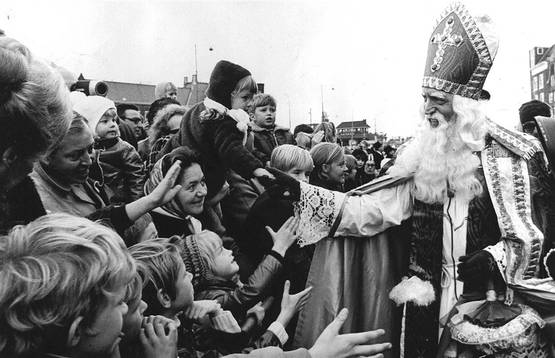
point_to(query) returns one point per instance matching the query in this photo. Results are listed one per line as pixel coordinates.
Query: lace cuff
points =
(317, 209)
(500, 256)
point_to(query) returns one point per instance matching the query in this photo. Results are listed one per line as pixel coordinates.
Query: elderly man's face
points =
(438, 107)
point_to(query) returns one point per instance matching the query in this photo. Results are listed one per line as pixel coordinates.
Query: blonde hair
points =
(53, 270)
(246, 83)
(287, 156)
(35, 109)
(158, 263)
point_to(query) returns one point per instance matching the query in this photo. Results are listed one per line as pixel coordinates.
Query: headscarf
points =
(156, 175)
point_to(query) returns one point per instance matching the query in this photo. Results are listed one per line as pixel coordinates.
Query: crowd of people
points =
(211, 231)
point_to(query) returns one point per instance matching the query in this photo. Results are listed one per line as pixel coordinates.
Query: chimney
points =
(185, 81)
(195, 79)
(260, 87)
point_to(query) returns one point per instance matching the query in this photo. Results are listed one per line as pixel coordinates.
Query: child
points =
(67, 277)
(168, 291)
(142, 335)
(122, 168)
(218, 127)
(267, 135)
(272, 210)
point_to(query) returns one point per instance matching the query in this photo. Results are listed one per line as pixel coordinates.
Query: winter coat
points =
(86, 200)
(122, 169)
(265, 140)
(219, 143)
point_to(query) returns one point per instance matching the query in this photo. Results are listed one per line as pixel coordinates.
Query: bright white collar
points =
(239, 115)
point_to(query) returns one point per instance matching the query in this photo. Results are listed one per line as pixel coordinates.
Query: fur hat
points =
(533, 108)
(223, 80)
(190, 253)
(92, 108)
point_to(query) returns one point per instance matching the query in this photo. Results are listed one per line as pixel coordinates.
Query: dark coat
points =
(270, 209)
(265, 140)
(122, 169)
(219, 143)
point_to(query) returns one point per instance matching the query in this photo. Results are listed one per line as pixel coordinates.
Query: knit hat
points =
(223, 80)
(190, 253)
(92, 108)
(533, 108)
(460, 53)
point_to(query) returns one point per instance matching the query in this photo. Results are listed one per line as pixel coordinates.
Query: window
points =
(540, 83)
(550, 97)
(535, 83)
(542, 97)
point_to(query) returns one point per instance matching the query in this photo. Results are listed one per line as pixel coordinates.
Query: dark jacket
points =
(122, 169)
(238, 299)
(265, 140)
(271, 209)
(219, 143)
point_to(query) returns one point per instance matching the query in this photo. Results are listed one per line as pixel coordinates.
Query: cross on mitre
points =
(444, 39)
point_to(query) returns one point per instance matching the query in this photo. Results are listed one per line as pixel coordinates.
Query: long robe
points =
(526, 198)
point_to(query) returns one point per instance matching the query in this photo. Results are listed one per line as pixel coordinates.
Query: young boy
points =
(270, 209)
(122, 167)
(267, 135)
(168, 291)
(67, 278)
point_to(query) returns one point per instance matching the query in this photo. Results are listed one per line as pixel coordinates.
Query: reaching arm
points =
(358, 215)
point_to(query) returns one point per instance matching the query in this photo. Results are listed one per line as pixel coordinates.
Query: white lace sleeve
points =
(317, 208)
(364, 215)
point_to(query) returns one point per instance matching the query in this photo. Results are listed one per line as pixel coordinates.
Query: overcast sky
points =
(367, 56)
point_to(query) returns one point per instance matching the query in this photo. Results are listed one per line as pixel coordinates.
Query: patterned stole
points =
(506, 173)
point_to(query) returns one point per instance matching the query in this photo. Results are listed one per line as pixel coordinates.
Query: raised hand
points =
(331, 344)
(291, 304)
(166, 189)
(285, 237)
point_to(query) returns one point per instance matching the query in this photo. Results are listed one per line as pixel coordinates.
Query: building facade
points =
(542, 74)
(354, 130)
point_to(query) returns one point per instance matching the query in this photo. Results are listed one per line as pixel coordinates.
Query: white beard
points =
(442, 159)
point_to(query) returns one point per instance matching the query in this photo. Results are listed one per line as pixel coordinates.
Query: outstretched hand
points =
(331, 344)
(285, 237)
(291, 304)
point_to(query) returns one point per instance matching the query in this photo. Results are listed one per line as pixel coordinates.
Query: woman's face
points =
(193, 190)
(336, 171)
(71, 161)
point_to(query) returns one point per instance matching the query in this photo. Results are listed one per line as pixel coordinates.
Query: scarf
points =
(238, 115)
(172, 207)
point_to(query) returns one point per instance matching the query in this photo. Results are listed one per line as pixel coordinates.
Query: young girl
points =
(329, 166)
(218, 127)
